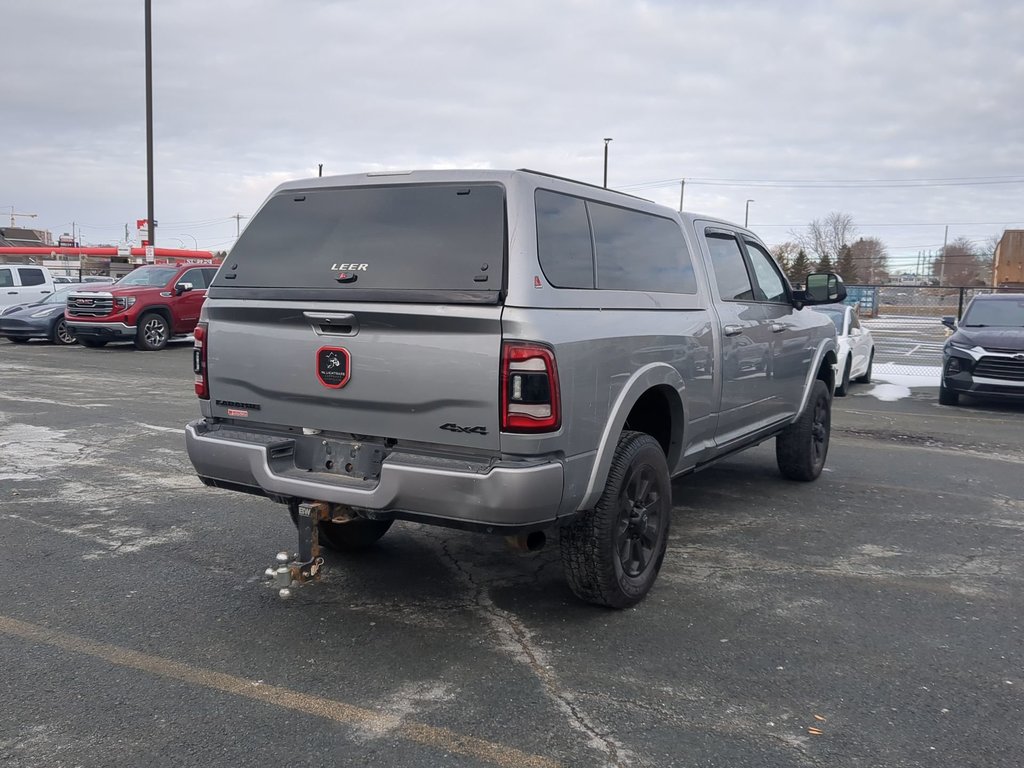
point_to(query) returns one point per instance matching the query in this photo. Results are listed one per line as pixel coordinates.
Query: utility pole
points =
(151, 221)
(238, 223)
(320, 173)
(942, 268)
(682, 190)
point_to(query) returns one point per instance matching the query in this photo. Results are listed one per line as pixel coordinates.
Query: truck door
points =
(744, 369)
(791, 342)
(32, 285)
(187, 305)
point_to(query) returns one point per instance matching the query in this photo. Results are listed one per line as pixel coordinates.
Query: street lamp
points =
(193, 240)
(606, 141)
(746, 214)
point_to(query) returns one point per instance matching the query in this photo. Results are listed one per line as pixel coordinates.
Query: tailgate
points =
(411, 372)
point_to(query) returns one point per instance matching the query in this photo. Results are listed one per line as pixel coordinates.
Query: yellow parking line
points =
(329, 709)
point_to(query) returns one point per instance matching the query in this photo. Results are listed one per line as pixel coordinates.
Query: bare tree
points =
(872, 260)
(784, 253)
(959, 263)
(826, 237)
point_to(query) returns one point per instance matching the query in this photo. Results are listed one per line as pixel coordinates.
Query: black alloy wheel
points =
(611, 554)
(802, 447)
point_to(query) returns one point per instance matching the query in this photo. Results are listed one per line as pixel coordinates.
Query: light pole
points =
(193, 240)
(746, 214)
(151, 221)
(606, 141)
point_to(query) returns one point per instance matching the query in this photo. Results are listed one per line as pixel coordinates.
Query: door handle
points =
(732, 330)
(778, 327)
(12, 293)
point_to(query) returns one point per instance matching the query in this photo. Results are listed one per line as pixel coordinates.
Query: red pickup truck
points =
(148, 306)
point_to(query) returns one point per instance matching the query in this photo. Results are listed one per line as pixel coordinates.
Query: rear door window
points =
(31, 276)
(6, 278)
(353, 241)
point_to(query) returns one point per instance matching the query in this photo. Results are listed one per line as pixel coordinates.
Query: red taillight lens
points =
(199, 362)
(529, 388)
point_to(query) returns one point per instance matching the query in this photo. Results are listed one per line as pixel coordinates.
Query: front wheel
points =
(611, 555)
(844, 385)
(865, 378)
(948, 396)
(152, 333)
(801, 448)
(61, 334)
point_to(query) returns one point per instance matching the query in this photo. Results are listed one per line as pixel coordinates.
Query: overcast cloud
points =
(250, 93)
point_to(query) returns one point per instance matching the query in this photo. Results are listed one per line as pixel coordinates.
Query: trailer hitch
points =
(307, 563)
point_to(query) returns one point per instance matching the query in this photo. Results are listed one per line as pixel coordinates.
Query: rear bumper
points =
(507, 497)
(106, 331)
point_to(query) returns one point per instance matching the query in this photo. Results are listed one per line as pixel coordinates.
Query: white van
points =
(24, 284)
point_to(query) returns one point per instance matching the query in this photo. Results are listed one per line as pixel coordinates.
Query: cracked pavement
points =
(880, 606)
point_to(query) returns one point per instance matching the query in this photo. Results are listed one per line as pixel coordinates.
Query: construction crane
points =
(25, 215)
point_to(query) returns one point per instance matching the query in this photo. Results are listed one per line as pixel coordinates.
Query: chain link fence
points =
(906, 323)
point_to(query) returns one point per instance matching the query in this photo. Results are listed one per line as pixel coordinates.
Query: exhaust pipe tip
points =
(527, 542)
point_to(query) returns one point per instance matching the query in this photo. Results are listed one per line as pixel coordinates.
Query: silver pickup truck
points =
(501, 351)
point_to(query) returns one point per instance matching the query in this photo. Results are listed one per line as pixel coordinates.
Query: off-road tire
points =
(865, 378)
(94, 343)
(353, 536)
(635, 509)
(61, 334)
(152, 333)
(844, 385)
(948, 396)
(802, 447)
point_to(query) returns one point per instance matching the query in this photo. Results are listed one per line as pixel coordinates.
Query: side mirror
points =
(949, 321)
(181, 288)
(821, 288)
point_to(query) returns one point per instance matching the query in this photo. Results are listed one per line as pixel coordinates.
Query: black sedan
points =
(41, 320)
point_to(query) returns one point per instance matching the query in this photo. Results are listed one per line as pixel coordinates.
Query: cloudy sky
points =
(906, 115)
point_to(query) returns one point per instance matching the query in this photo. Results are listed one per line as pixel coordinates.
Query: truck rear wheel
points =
(611, 555)
(350, 536)
(152, 332)
(801, 448)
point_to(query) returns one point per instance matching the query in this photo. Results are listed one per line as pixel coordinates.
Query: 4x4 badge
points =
(333, 366)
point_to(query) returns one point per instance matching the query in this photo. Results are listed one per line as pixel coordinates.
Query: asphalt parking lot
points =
(872, 618)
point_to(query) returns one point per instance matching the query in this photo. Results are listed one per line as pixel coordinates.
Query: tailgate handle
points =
(333, 323)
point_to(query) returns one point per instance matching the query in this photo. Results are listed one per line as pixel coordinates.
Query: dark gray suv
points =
(985, 355)
(501, 351)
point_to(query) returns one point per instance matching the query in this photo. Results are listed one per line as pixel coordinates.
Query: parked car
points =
(856, 347)
(43, 319)
(985, 354)
(149, 306)
(24, 283)
(502, 351)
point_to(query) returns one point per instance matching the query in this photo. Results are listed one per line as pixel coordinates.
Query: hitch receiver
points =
(307, 563)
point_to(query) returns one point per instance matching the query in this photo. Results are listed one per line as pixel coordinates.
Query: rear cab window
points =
(413, 242)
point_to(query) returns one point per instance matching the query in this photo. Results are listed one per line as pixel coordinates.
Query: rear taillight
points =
(199, 363)
(529, 388)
